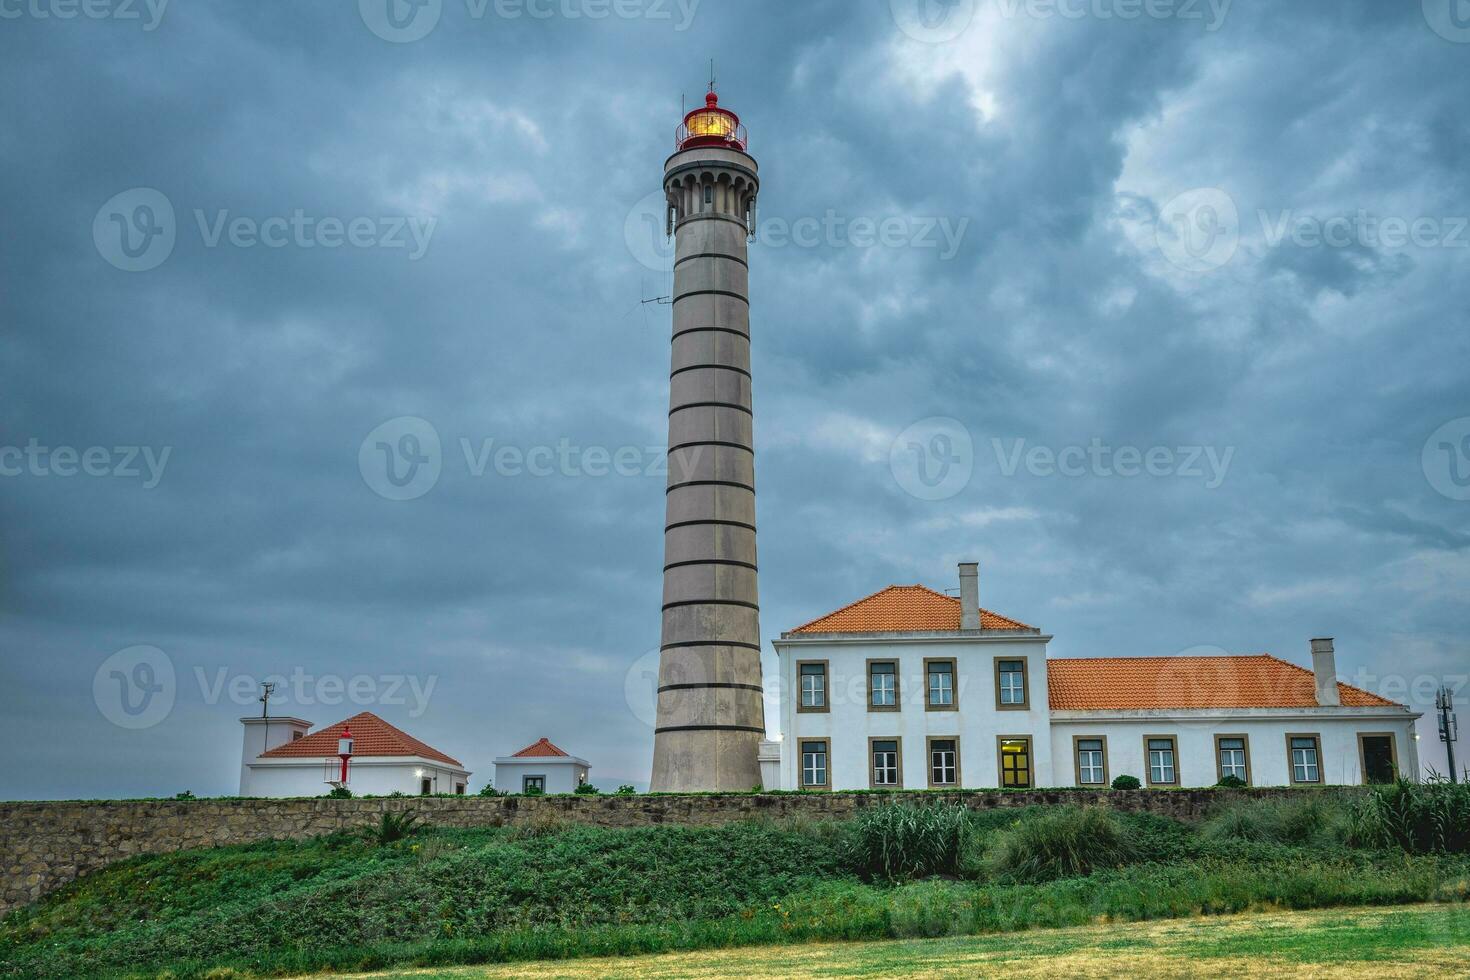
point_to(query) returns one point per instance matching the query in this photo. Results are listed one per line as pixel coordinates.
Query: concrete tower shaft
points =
(711, 715)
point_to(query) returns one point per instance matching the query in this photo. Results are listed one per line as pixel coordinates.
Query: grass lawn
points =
(1412, 941)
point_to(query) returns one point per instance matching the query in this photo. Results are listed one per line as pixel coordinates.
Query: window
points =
(1092, 763)
(812, 676)
(533, 784)
(426, 786)
(459, 789)
(1015, 762)
(1379, 757)
(1232, 757)
(1010, 684)
(886, 769)
(1305, 753)
(814, 764)
(1162, 752)
(944, 762)
(709, 193)
(940, 676)
(882, 685)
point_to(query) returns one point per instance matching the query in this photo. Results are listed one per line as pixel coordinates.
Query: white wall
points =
(370, 776)
(1265, 733)
(563, 775)
(977, 723)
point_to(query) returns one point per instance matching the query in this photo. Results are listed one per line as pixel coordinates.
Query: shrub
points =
(1299, 820)
(533, 791)
(626, 790)
(391, 828)
(1417, 817)
(899, 841)
(1126, 781)
(185, 795)
(1067, 842)
(489, 790)
(339, 793)
(587, 789)
(1232, 782)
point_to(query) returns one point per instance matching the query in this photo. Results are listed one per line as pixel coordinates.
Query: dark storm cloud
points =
(1050, 146)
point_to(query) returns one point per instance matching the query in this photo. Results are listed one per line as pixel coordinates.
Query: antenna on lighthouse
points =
(267, 688)
(712, 74)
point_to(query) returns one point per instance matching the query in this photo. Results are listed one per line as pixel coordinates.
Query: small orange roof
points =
(1257, 681)
(371, 736)
(539, 750)
(903, 608)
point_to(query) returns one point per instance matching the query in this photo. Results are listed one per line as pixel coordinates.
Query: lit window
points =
(1011, 682)
(1015, 763)
(814, 763)
(1161, 766)
(943, 762)
(1232, 758)
(1090, 768)
(883, 684)
(941, 684)
(885, 763)
(813, 685)
(1306, 759)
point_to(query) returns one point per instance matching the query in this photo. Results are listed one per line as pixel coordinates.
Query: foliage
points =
(626, 790)
(1064, 842)
(533, 790)
(1232, 782)
(898, 841)
(1305, 820)
(1126, 781)
(339, 793)
(489, 790)
(1416, 817)
(587, 789)
(392, 827)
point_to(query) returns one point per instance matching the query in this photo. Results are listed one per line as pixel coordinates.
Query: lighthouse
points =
(711, 713)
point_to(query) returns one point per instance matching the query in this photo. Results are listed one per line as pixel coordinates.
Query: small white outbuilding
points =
(280, 760)
(540, 767)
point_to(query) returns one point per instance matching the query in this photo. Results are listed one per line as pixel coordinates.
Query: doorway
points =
(1379, 765)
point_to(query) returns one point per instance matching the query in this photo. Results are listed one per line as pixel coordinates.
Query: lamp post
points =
(1449, 726)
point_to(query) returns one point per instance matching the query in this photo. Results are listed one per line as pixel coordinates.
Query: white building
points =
(281, 760)
(912, 688)
(540, 767)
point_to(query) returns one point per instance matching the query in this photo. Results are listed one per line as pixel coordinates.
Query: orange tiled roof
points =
(371, 736)
(904, 608)
(1258, 681)
(538, 750)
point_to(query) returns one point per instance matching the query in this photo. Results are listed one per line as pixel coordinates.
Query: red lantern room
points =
(344, 744)
(711, 126)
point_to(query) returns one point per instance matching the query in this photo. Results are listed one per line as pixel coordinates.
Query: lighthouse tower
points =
(711, 715)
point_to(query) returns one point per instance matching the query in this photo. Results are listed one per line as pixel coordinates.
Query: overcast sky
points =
(1158, 311)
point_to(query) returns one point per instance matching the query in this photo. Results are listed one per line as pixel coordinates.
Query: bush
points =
(1301, 820)
(626, 790)
(391, 828)
(339, 793)
(587, 789)
(1126, 781)
(899, 841)
(1232, 782)
(1067, 842)
(1419, 818)
(533, 791)
(489, 790)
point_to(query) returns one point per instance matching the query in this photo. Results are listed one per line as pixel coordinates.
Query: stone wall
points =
(46, 845)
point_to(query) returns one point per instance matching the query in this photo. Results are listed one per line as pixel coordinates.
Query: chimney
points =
(969, 595)
(1324, 665)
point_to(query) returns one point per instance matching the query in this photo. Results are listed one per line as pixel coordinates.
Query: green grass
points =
(552, 891)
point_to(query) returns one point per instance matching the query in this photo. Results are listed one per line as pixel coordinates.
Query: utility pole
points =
(1449, 726)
